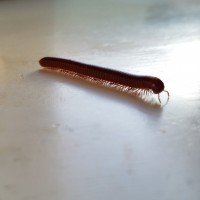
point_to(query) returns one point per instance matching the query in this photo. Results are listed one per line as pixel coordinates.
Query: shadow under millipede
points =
(141, 103)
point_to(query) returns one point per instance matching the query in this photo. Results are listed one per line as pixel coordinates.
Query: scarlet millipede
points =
(135, 83)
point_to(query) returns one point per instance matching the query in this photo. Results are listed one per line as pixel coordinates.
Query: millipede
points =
(136, 84)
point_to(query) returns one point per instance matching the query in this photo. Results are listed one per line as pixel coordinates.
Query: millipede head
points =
(157, 85)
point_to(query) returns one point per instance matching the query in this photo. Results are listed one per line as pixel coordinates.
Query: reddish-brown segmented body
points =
(132, 82)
